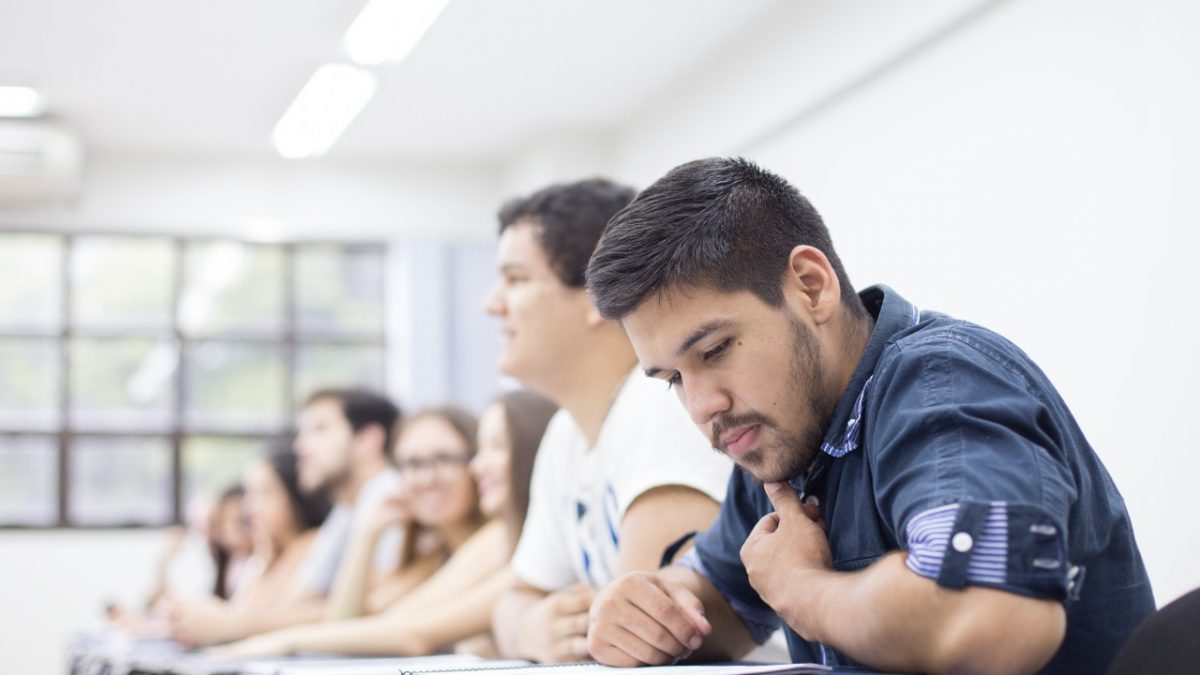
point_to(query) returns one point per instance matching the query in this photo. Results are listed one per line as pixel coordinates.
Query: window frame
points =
(290, 338)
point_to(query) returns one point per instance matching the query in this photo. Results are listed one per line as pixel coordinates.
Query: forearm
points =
(428, 627)
(890, 618)
(347, 598)
(509, 618)
(253, 620)
(363, 636)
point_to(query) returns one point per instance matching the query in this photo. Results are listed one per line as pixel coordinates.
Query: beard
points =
(784, 454)
(326, 484)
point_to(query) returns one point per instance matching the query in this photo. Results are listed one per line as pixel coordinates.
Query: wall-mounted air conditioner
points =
(40, 162)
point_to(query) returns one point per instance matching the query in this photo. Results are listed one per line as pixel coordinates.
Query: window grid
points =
(289, 338)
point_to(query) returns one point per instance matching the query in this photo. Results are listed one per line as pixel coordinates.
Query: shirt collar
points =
(892, 314)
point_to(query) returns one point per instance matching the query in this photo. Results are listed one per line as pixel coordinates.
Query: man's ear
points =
(812, 284)
(371, 441)
(593, 315)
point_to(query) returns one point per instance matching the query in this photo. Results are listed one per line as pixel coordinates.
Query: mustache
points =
(726, 422)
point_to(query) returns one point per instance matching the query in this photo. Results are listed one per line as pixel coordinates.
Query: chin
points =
(756, 465)
(491, 507)
(509, 366)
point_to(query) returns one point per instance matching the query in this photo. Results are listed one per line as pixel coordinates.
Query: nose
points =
(704, 399)
(493, 302)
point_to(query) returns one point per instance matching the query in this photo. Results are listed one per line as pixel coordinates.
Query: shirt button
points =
(962, 542)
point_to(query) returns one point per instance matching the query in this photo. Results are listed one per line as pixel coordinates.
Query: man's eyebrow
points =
(696, 336)
(701, 333)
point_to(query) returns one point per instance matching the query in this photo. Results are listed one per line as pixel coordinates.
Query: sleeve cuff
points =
(1014, 547)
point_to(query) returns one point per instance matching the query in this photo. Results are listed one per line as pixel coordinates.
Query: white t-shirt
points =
(578, 496)
(320, 566)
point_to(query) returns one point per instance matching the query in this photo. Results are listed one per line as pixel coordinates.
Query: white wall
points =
(55, 584)
(274, 198)
(1030, 165)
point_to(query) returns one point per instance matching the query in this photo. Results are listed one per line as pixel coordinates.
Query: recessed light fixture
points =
(20, 102)
(387, 30)
(327, 104)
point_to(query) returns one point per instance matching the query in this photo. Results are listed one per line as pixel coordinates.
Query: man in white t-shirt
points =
(621, 472)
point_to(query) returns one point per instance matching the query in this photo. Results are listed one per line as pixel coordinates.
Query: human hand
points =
(200, 621)
(395, 509)
(554, 630)
(790, 540)
(642, 619)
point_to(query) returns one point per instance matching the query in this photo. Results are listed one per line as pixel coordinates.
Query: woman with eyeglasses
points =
(438, 507)
(455, 602)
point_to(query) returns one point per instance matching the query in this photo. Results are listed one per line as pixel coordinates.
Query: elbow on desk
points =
(1022, 641)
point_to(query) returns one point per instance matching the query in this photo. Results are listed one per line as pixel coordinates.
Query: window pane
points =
(120, 480)
(339, 288)
(230, 286)
(236, 386)
(30, 281)
(321, 366)
(30, 382)
(28, 478)
(122, 281)
(212, 463)
(122, 383)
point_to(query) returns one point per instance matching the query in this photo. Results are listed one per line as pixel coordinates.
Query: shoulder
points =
(942, 349)
(560, 442)
(561, 430)
(338, 519)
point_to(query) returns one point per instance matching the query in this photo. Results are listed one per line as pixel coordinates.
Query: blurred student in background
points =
(437, 507)
(341, 454)
(455, 603)
(283, 525)
(203, 557)
(229, 541)
(342, 447)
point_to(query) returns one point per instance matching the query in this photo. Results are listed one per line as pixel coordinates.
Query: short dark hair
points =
(719, 223)
(569, 218)
(363, 408)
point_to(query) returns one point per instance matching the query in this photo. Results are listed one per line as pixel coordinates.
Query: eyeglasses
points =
(440, 464)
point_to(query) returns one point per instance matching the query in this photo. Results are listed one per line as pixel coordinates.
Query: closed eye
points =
(674, 381)
(717, 352)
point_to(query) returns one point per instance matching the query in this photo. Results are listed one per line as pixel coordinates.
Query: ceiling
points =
(211, 78)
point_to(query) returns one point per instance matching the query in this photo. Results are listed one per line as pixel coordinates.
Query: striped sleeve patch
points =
(931, 532)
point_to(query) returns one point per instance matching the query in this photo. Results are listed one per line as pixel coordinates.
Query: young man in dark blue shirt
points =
(912, 493)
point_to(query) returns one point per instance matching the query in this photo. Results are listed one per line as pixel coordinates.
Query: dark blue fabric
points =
(956, 414)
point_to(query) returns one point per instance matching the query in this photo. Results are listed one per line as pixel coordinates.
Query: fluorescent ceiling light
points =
(20, 102)
(327, 104)
(387, 30)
